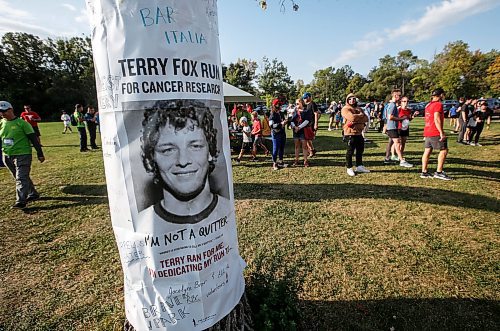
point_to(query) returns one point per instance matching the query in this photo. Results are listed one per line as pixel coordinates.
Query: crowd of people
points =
(19, 134)
(467, 120)
(392, 119)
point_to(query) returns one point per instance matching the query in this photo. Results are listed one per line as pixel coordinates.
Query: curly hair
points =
(179, 114)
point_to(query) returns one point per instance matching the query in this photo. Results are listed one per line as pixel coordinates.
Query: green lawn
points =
(325, 251)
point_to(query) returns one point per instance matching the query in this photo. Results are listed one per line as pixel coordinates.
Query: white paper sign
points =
(167, 160)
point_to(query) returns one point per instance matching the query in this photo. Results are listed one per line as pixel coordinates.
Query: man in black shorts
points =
(434, 136)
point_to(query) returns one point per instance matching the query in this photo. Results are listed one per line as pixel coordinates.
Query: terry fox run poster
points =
(167, 160)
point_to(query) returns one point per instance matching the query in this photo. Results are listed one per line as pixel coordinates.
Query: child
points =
(67, 122)
(246, 144)
(257, 133)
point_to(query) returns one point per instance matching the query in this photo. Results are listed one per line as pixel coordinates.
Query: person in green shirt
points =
(17, 137)
(80, 125)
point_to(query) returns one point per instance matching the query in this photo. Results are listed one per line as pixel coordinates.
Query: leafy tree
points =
(478, 71)
(74, 80)
(24, 58)
(423, 80)
(406, 63)
(355, 84)
(331, 83)
(493, 77)
(452, 67)
(275, 80)
(241, 74)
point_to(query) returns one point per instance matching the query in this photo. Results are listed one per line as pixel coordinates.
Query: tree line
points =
(457, 69)
(49, 74)
(56, 74)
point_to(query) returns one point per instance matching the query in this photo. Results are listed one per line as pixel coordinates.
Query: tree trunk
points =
(239, 319)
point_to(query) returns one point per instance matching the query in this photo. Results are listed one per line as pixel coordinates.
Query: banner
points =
(167, 160)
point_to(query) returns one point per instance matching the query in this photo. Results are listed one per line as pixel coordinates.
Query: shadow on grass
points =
(320, 192)
(80, 195)
(93, 190)
(400, 314)
(453, 172)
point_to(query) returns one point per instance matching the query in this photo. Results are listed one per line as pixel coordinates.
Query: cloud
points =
(13, 19)
(83, 17)
(68, 6)
(10, 25)
(7, 11)
(17, 20)
(435, 18)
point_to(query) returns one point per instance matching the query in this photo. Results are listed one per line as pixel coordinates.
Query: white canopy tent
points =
(236, 95)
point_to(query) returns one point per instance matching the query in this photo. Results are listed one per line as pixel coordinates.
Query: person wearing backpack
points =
(80, 125)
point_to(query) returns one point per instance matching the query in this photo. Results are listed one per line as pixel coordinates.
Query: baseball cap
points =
(437, 92)
(306, 95)
(276, 102)
(5, 105)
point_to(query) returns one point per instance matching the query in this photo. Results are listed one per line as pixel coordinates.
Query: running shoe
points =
(405, 164)
(362, 170)
(441, 175)
(425, 175)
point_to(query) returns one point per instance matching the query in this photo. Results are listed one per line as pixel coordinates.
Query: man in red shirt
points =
(32, 118)
(434, 135)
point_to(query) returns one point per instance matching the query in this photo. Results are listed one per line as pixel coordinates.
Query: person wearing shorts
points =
(434, 136)
(392, 117)
(257, 134)
(299, 137)
(404, 125)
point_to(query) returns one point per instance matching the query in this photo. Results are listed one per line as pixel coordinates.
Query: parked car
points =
(418, 106)
(450, 103)
(493, 104)
(260, 109)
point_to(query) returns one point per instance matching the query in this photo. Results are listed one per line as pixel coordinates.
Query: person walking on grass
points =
(354, 123)
(393, 119)
(66, 119)
(465, 110)
(33, 119)
(246, 140)
(257, 134)
(435, 137)
(332, 110)
(483, 115)
(17, 137)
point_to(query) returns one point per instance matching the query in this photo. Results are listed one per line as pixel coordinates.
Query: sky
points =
(322, 33)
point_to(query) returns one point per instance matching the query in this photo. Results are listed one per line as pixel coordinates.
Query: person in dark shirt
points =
(311, 116)
(482, 116)
(91, 120)
(278, 135)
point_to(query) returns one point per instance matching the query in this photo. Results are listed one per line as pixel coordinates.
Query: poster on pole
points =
(167, 160)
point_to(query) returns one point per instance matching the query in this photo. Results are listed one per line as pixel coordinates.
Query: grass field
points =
(325, 251)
